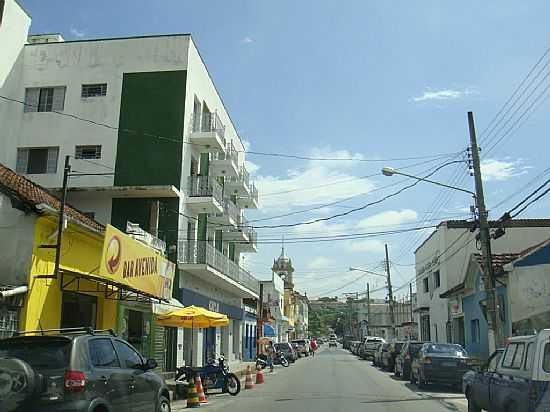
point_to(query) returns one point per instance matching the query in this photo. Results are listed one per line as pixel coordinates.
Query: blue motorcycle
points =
(215, 375)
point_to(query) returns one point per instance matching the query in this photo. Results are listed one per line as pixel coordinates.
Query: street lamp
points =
(390, 171)
(351, 269)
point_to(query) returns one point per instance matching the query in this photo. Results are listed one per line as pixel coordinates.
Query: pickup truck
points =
(515, 378)
(370, 346)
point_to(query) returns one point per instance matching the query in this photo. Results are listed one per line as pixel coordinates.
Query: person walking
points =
(270, 352)
(313, 346)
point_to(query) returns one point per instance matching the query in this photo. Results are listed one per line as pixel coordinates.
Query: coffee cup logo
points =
(113, 255)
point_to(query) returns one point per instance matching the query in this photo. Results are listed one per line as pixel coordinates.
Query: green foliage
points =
(321, 322)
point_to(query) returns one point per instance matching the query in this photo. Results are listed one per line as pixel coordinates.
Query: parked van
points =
(516, 379)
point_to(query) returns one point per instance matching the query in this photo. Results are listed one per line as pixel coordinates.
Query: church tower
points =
(282, 266)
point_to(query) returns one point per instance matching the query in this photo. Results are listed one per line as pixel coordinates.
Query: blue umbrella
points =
(269, 331)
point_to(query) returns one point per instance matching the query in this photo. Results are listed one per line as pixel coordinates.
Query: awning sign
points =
(129, 262)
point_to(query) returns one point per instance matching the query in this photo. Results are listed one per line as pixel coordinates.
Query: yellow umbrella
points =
(193, 317)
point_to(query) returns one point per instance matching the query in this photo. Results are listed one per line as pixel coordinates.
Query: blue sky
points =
(362, 79)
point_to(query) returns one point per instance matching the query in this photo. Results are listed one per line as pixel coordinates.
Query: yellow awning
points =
(193, 317)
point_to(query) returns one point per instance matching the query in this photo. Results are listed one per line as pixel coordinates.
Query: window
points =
(102, 354)
(509, 355)
(518, 358)
(529, 356)
(493, 362)
(426, 285)
(39, 160)
(88, 152)
(127, 355)
(546, 359)
(94, 90)
(437, 279)
(44, 99)
(474, 326)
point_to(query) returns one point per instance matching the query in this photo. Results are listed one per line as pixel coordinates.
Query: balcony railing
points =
(252, 236)
(208, 122)
(204, 186)
(230, 210)
(253, 192)
(229, 154)
(244, 176)
(200, 252)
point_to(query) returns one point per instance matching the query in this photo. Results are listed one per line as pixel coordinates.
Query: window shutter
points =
(22, 161)
(58, 103)
(51, 166)
(31, 99)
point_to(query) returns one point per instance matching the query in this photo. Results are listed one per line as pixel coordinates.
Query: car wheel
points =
(164, 405)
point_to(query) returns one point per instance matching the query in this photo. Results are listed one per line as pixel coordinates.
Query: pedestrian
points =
(313, 346)
(270, 352)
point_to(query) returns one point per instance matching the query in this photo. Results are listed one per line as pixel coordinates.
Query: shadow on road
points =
(433, 388)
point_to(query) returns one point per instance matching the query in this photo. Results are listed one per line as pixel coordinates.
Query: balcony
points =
(251, 244)
(225, 163)
(204, 194)
(208, 131)
(203, 260)
(250, 200)
(230, 214)
(243, 235)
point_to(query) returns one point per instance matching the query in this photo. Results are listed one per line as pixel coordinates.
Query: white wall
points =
(452, 265)
(13, 36)
(16, 243)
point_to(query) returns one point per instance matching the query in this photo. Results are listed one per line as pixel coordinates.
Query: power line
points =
(523, 188)
(531, 202)
(180, 141)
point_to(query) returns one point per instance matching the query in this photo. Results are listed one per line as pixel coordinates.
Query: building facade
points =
(148, 133)
(441, 262)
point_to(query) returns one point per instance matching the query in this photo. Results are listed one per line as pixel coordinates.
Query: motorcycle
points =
(278, 359)
(215, 375)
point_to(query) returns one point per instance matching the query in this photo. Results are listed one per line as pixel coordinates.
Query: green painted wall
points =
(152, 103)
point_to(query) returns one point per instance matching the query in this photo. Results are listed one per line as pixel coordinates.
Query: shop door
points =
(171, 345)
(138, 330)
(209, 351)
(78, 310)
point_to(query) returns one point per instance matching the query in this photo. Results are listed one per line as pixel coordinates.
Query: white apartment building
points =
(144, 125)
(441, 262)
(273, 299)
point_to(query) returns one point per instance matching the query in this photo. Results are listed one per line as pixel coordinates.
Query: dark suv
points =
(78, 370)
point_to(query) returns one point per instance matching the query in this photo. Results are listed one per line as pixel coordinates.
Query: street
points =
(335, 380)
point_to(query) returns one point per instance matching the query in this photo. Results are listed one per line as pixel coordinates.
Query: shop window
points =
(78, 310)
(102, 354)
(9, 323)
(44, 99)
(135, 328)
(38, 160)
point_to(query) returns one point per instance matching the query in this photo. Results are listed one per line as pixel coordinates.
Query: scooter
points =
(278, 359)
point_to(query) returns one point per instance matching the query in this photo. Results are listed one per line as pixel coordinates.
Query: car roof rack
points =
(66, 331)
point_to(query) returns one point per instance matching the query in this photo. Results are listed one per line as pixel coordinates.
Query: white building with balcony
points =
(147, 131)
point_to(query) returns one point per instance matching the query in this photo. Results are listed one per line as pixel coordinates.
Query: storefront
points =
(107, 281)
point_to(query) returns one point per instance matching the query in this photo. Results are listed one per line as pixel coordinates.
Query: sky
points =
(364, 80)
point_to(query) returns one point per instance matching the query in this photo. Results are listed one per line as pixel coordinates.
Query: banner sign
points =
(129, 262)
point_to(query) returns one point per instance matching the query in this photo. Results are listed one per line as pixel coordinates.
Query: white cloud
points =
(501, 170)
(388, 218)
(315, 173)
(319, 262)
(251, 167)
(247, 40)
(246, 144)
(322, 228)
(442, 94)
(76, 32)
(369, 246)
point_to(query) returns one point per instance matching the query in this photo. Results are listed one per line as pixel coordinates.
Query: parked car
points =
(371, 345)
(79, 370)
(515, 380)
(297, 349)
(353, 345)
(388, 357)
(302, 346)
(439, 363)
(478, 397)
(378, 355)
(404, 359)
(332, 343)
(287, 350)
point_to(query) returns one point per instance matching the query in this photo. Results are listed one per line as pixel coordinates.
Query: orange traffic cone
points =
(249, 384)
(259, 376)
(192, 398)
(200, 391)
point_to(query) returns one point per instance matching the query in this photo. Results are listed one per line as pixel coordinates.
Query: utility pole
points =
(411, 299)
(61, 216)
(368, 309)
(390, 291)
(260, 318)
(488, 278)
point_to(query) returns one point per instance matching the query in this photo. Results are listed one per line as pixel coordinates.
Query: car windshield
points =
(46, 354)
(299, 342)
(449, 349)
(282, 346)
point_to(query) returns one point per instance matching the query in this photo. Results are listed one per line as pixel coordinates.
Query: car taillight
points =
(75, 381)
(427, 361)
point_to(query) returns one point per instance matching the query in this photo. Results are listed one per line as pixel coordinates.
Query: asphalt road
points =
(334, 381)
